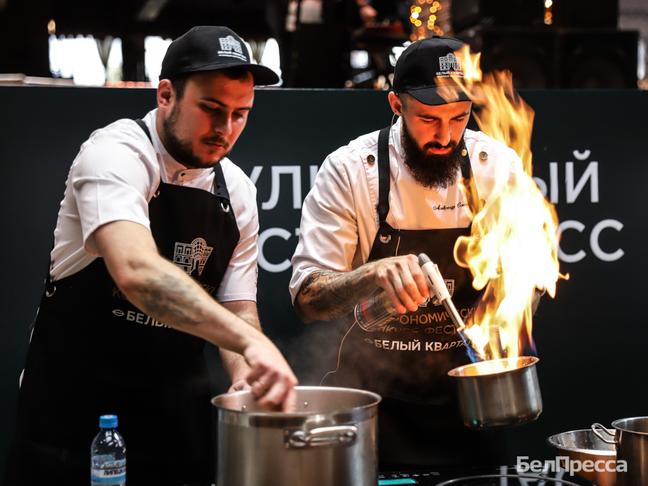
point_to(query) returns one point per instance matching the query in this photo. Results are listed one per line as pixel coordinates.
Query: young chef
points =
(155, 252)
(377, 203)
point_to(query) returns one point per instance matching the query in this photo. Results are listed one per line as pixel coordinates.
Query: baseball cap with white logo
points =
(211, 48)
(427, 64)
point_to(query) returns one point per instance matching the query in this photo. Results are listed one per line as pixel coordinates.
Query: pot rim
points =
(598, 452)
(300, 415)
(527, 362)
(625, 429)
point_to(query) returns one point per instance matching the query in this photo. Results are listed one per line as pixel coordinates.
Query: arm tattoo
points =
(171, 300)
(327, 295)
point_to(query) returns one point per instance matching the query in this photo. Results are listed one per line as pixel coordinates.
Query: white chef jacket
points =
(113, 178)
(339, 217)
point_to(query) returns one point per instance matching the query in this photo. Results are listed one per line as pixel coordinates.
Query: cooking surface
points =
(502, 476)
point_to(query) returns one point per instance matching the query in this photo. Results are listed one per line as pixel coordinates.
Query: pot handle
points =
(320, 436)
(598, 428)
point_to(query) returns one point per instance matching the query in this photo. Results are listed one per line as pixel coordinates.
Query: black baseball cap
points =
(211, 48)
(427, 64)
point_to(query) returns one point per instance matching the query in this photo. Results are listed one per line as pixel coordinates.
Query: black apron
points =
(92, 353)
(407, 360)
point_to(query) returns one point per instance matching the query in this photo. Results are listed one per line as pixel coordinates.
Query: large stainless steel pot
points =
(498, 392)
(631, 440)
(329, 440)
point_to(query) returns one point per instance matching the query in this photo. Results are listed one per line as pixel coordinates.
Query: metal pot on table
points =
(329, 440)
(630, 437)
(499, 392)
(583, 445)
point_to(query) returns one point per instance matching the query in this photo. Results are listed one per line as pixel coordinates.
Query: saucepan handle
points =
(600, 429)
(320, 436)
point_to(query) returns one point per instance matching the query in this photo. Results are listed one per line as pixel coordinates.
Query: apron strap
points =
(143, 126)
(466, 169)
(220, 187)
(146, 130)
(383, 177)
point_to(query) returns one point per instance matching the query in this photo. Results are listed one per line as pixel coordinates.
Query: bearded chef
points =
(377, 203)
(155, 253)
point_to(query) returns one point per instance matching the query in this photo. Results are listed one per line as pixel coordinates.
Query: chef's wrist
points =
(252, 340)
(371, 272)
(245, 337)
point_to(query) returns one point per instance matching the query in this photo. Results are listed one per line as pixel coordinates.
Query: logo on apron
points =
(192, 256)
(450, 284)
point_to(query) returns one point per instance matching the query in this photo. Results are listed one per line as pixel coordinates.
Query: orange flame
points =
(513, 246)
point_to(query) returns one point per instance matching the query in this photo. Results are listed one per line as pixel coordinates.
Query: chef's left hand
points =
(271, 377)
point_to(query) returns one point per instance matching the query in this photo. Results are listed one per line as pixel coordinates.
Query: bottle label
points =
(107, 471)
(374, 313)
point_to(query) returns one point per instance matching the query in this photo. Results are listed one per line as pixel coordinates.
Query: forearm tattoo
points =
(171, 300)
(327, 295)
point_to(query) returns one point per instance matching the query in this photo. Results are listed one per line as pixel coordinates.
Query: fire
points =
(513, 246)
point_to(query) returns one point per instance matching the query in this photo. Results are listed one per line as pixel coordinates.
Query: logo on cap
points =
(230, 47)
(449, 66)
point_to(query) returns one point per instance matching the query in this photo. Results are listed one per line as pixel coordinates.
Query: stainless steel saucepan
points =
(499, 392)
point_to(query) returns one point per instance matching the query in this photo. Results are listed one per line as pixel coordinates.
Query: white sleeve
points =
(328, 234)
(110, 182)
(240, 279)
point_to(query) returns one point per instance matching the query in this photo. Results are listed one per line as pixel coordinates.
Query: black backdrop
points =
(589, 155)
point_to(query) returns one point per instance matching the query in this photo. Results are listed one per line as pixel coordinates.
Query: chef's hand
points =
(239, 385)
(402, 279)
(271, 379)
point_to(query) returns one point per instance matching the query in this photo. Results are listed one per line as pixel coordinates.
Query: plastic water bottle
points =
(108, 454)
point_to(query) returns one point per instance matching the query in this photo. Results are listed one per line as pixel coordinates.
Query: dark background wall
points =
(591, 339)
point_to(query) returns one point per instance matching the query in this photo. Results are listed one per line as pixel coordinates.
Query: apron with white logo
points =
(407, 360)
(93, 353)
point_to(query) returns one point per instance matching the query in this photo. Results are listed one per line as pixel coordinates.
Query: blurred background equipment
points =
(527, 53)
(316, 37)
(329, 43)
(28, 29)
(602, 14)
(554, 44)
(598, 58)
(566, 58)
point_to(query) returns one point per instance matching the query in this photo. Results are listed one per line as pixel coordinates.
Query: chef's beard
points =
(181, 150)
(430, 170)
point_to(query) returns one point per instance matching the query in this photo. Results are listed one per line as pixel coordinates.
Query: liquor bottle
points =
(374, 312)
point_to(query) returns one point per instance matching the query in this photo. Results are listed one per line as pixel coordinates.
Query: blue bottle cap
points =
(108, 421)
